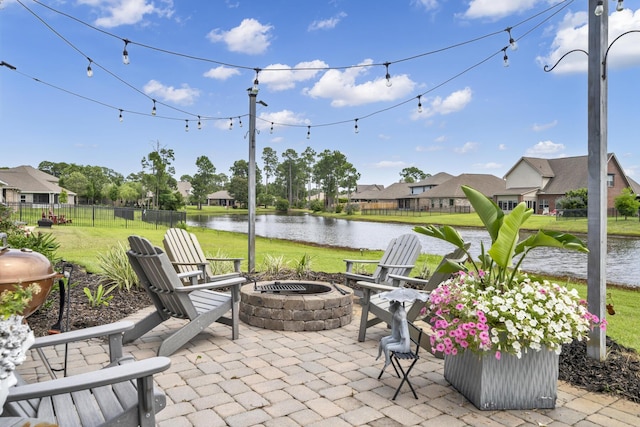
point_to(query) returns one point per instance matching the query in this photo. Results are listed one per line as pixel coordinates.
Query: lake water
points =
(622, 254)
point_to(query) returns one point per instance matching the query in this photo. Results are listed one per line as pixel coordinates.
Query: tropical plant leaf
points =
(553, 239)
(451, 266)
(503, 249)
(445, 232)
(490, 214)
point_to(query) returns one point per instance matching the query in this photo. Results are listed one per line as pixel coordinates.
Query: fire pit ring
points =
(296, 305)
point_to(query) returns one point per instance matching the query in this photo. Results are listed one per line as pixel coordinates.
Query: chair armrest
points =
(397, 266)
(102, 377)
(188, 263)
(375, 286)
(236, 262)
(84, 334)
(396, 279)
(236, 281)
(350, 262)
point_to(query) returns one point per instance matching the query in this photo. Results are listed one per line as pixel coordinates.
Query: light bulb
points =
(230, 123)
(308, 132)
(271, 130)
(388, 83)
(125, 54)
(120, 116)
(239, 122)
(153, 110)
(419, 104)
(513, 44)
(199, 123)
(505, 59)
(356, 130)
(599, 10)
(89, 70)
(620, 6)
(186, 126)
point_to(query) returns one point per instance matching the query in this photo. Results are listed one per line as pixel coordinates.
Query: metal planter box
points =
(509, 383)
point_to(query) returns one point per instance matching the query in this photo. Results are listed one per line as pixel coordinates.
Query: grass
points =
(82, 246)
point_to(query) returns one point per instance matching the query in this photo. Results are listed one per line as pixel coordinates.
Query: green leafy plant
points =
(302, 266)
(14, 301)
(44, 243)
(100, 297)
(274, 265)
(116, 269)
(496, 264)
(220, 267)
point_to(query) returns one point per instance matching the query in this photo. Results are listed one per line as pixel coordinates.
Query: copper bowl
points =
(24, 267)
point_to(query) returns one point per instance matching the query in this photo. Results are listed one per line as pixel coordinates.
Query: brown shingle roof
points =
(436, 179)
(30, 180)
(485, 183)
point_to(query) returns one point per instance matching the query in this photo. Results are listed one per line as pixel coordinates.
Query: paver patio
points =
(325, 378)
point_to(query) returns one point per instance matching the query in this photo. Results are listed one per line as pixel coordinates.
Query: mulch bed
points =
(618, 375)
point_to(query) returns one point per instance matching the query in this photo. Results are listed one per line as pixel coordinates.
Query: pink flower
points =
(498, 355)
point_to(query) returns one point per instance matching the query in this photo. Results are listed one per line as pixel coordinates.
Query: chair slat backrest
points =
(183, 247)
(159, 278)
(403, 250)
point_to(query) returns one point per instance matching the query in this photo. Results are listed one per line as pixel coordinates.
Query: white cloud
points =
(184, 95)
(544, 126)
(221, 73)
(455, 102)
(327, 24)
(572, 33)
(341, 87)
(427, 4)
(388, 164)
(114, 13)
(286, 77)
(545, 149)
(489, 165)
(441, 138)
(383, 136)
(250, 37)
(285, 116)
(502, 147)
(467, 147)
(496, 9)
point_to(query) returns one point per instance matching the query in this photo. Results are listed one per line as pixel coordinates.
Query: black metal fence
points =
(95, 216)
(574, 214)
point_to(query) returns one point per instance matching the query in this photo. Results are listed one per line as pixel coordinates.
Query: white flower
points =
(15, 338)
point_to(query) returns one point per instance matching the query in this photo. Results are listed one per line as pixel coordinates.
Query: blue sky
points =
(197, 58)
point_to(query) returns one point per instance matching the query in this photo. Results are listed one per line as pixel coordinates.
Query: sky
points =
(321, 66)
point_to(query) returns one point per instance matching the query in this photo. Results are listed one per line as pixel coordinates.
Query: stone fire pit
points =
(317, 307)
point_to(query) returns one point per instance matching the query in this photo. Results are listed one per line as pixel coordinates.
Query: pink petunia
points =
(498, 355)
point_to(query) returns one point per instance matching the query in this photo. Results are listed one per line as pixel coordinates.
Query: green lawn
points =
(82, 245)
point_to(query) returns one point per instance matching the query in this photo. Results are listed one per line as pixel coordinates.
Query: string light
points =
(199, 123)
(356, 130)
(505, 58)
(255, 87)
(239, 122)
(388, 76)
(271, 130)
(89, 70)
(120, 116)
(308, 132)
(153, 110)
(419, 103)
(599, 10)
(230, 123)
(512, 41)
(620, 6)
(125, 54)
(186, 126)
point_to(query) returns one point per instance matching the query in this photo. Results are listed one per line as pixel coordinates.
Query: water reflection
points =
(622, 267)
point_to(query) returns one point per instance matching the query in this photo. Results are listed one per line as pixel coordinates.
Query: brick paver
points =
(324, 378)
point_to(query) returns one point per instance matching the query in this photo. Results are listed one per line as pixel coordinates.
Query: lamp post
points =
(251, 232)
(597, 170)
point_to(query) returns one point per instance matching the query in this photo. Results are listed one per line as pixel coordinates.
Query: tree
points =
(270, 165)
(238, 186)
(77, 183)
(574, 199)
(308, 160)
(330, 171)
(131, 192)
(203, 182)
(626, 203)
(349, 181)
(289, 170)
(413, 174)
(159, 179)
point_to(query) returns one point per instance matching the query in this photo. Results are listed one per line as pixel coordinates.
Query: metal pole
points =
(253, 93)
(596, 185)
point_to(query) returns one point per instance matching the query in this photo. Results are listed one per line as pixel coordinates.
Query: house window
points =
(610, 180)
(450, 202)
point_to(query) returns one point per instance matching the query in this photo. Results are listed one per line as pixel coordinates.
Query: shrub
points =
(116, 269)
(339, 208)
(303, 265)
(220, 267)
(352, 208)
(44, 243)
(316, 205)
(274, 265)
(282, 205)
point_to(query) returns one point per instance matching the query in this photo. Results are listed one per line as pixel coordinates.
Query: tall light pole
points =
(597, 169)
(251, 232)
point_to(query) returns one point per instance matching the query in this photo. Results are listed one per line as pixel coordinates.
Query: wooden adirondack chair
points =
(199, 304)
(186, 255)
(121, 393)
(399, 258)
(379, 307)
